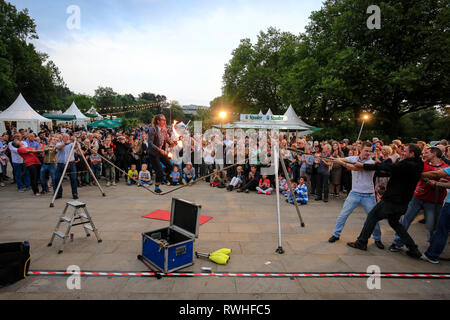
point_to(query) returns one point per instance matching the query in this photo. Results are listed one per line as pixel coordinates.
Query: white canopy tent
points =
(290, 121)
(94, 112)
(74, 111)
(22, 113)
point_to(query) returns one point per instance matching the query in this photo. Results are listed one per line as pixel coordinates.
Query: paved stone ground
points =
(247, 223)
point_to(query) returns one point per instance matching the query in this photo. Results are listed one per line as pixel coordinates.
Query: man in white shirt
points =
(362, 193)
(21, 174)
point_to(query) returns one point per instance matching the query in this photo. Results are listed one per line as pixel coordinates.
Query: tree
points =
(22, 68)
(106, 97)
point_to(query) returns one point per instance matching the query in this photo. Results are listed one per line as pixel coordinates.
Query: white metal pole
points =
(277, 188)
(359, 135)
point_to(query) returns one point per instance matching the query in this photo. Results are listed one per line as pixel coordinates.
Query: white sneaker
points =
(108, 184)
(2, 184)
(424, 257)
(114, 184)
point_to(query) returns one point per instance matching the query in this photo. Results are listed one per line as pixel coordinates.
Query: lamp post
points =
(365, 117)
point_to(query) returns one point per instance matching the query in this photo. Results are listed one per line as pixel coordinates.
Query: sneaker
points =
(259, 192)
(108, 184)
(246, 191)
(2, 184)
(239, 190)
(426, 258)
(21, 190)
(268, 193)
(333, 239)
(158, 191)
(114, 184)
(394, 248)
(37, 194)
(75, 196)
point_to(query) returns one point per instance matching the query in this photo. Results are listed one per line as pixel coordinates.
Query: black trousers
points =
(122, 163)
(156, 165)
(392, 212)
(251, 185)
(322, 184)
(34, 176)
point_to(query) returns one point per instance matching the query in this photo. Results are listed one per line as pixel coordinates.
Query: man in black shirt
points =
(404, 177)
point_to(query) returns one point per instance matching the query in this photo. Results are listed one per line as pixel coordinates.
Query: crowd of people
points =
(385, 179)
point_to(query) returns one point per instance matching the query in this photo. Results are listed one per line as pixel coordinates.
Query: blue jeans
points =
(72, 170)
(440, 235)
(51, 168)
(146, 182)
(21, 180)
(411, 213)
(354, 199)
(96, 170)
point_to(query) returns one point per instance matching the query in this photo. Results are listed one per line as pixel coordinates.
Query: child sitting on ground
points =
(300, 191)
(237, 180)
(175, 176)
(264, 186)
(215, 179)
(132, 175)
(145, 178)
(284, 189)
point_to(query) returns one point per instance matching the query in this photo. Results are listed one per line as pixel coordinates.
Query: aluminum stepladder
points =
(78, 217)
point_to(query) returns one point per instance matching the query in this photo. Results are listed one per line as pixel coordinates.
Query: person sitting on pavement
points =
(132, 175)
(238, 180)
(264, 186)
(252, 180)
(145, 177)
(188, 173)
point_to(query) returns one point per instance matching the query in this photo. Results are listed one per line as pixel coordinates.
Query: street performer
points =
(159, 139)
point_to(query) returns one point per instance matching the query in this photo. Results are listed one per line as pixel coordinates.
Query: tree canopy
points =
(339, 66)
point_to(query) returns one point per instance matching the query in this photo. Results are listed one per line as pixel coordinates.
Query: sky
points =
(172, 47)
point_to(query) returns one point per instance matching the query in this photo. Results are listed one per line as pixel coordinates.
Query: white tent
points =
(21, 112)
(74, 111)
(269, 113)
(94, 112)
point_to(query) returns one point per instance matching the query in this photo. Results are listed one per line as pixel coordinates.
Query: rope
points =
(175, 189)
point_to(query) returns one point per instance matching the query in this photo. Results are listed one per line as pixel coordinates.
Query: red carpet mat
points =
(165, 216)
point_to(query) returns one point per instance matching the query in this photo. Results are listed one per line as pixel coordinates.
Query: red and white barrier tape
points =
(239, 275)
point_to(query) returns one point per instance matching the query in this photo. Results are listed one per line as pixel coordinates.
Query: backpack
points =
(14, 262)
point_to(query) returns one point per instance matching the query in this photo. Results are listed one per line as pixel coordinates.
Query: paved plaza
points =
(246, 223)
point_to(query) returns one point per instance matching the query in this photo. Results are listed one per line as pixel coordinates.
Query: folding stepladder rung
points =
(80, 216)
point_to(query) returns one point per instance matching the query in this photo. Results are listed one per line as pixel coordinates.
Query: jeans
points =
(51, 168)
(440, 235)
(322, 184)
(392, 212)
(71, 168)
(21, 175)
(354, 199)
(413, 209)
(146, 182)
(187, 179)
(96, 168)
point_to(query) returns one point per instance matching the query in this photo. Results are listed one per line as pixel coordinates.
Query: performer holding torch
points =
(158, 153)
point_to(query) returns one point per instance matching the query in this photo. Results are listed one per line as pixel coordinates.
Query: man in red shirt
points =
(32, 162)
(424, 197)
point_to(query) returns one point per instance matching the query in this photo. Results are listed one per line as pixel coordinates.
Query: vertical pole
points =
(359, 135)
(63, 174)
(277, 188)
(302, 224)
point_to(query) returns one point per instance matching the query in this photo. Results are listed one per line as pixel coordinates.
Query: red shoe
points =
(259, 192)
(269, 193)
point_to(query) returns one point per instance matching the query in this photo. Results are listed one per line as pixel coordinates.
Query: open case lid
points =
(185, 217)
